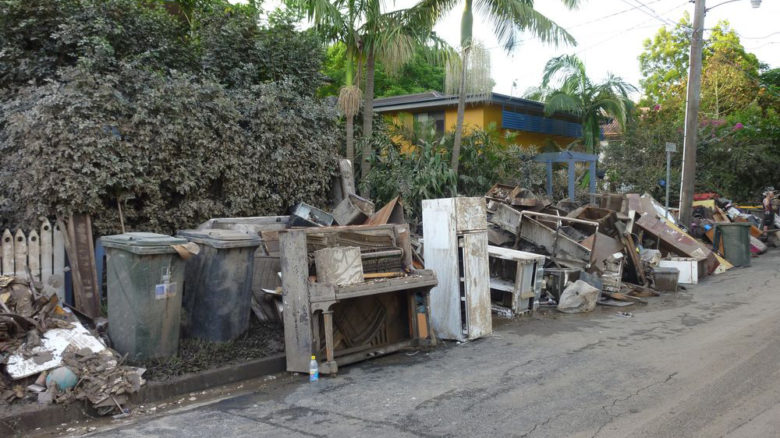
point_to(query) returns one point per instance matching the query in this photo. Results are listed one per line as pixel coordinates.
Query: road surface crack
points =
(611, 416)
(537, 425)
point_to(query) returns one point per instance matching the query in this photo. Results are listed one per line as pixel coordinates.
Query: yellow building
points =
(523, 117)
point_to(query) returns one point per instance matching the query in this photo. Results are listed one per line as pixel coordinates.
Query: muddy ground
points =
(261, 340)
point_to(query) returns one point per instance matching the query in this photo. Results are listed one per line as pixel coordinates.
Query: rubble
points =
(49, 356)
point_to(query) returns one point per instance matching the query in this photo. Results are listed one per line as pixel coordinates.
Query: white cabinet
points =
(455, 236)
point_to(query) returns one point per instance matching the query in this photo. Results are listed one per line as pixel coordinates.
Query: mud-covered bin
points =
(665, 278)
(218, 284)
(145, 277)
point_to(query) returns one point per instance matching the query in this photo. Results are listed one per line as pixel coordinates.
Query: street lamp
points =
(692, 110)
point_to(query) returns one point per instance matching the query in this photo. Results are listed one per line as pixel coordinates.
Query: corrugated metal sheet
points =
(543, 125)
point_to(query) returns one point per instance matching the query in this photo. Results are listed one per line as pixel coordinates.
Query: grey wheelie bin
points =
(145, 279)
(218, 284)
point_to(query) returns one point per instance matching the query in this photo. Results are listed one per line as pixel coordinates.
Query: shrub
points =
(174, 150)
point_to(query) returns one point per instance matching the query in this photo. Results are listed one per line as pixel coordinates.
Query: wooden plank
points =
(47, 262)
(58, 259)
(347, 178)
(295, 297)
(441, 256)
(8, 253)
(20, 254)
(81, 254)
(34, 255)
(513, 254)
(477, 284)
(386, 285)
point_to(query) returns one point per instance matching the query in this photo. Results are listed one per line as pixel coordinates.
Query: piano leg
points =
(328, 320)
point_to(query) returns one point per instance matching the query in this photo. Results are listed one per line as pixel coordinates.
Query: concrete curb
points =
(30, 417)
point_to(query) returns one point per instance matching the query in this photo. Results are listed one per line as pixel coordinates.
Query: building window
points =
(434, 119)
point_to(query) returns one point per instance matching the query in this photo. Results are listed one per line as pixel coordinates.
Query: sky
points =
(609, 35)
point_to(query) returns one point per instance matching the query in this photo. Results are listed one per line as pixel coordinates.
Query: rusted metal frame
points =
(557, 219)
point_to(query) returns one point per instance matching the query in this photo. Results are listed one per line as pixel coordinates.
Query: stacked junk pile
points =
(619, 249)
(346, 285)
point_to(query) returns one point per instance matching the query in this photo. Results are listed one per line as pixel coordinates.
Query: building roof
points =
(436, 99)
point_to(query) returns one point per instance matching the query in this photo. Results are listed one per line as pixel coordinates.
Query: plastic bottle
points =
(314, 370)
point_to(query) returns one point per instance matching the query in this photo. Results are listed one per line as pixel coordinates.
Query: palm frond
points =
(562, 102)
(512, 17)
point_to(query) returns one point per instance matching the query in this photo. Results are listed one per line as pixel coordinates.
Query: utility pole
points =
(692, 110)
(691, 117)
(670, 148)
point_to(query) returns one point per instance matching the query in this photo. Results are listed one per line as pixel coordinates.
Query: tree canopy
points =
(738, 143)
(664, 61)
(416, 76)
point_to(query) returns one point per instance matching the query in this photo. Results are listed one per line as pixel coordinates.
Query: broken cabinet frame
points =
(306, 301)
(563, 249)
(526, 289)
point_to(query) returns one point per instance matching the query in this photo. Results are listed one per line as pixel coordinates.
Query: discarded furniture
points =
(352, 210)
(688, 268)
(456, 248)
(342, 324)
(545, 230)
(218, 284)
(145, 276)
(673, 239)
(570, 158)
(517, 277)
(305, 215)
(665, 279)
(555, 280)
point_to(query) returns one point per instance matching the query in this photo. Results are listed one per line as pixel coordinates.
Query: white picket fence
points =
(42, 251)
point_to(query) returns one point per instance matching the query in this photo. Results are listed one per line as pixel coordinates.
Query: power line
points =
(760, 38)
(596, 20)
(642, 25)
(648, 11)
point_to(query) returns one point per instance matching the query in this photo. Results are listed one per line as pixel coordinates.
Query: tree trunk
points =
(350, 139)
(368, 123)
(461, 110)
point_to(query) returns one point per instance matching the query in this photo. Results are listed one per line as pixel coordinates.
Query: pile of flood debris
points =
(615, 250)
(49, 356)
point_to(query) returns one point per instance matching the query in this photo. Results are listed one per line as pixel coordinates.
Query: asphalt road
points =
(704, 362)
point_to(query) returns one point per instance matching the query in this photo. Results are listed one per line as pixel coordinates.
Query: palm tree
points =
(509, 18)
(391, 38)
(339, 20)
(567, 88)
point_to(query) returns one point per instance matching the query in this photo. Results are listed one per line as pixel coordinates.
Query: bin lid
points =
(143, 243)
(220, 239)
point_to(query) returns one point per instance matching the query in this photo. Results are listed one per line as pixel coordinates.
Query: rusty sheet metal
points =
(604, 248)
(392, 212)
(681, 242)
